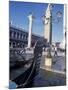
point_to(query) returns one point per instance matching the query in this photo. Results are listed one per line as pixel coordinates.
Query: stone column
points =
(30, 17)
(12, 35)
(47, 21)
(65, 25)
(11, 45)
(48, 24)
(16, 35)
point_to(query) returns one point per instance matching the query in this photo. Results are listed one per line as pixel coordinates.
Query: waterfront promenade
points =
(56, 76)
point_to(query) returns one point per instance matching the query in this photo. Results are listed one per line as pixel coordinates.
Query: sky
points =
(19, 12)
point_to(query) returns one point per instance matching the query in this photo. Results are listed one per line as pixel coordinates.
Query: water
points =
(12, 85)
(41, 80)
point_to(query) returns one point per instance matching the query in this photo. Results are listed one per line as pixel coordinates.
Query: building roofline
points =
(22, 29)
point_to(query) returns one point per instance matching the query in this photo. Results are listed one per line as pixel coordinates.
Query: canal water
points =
(42, 80)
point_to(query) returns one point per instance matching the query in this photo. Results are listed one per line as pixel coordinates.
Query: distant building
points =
(18, 38)
(57, 44)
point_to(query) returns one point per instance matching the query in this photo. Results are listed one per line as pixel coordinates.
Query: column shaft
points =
(30, 31)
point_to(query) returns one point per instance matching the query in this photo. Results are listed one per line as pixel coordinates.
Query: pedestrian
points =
(55, 54)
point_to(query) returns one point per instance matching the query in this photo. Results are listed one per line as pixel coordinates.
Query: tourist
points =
(55, 49)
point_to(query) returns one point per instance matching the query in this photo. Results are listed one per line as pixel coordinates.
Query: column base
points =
(48, 62)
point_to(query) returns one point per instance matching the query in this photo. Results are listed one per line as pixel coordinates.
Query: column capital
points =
(31, 17)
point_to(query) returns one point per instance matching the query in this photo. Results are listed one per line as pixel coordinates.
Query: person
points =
(55, 54)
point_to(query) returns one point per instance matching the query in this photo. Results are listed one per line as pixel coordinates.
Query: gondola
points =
(25, 79)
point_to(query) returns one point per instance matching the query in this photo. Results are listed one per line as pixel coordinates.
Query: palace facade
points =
(18, 38)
